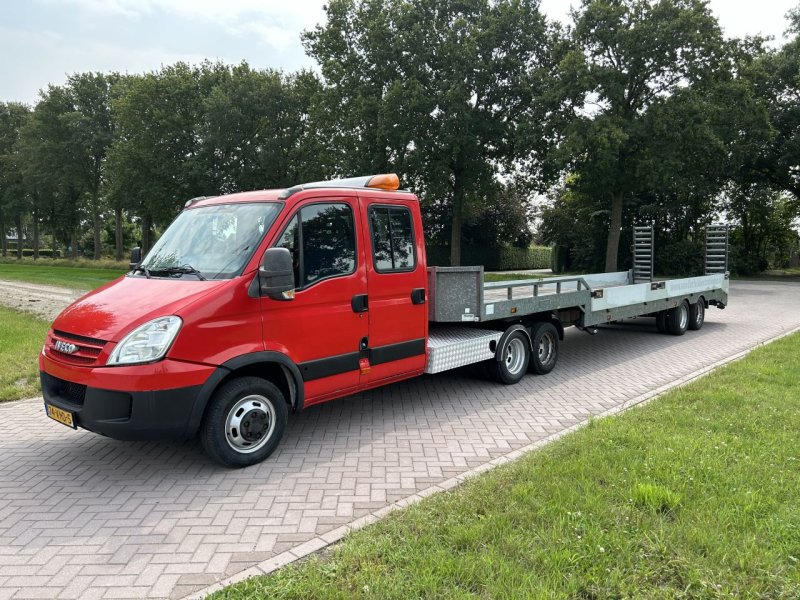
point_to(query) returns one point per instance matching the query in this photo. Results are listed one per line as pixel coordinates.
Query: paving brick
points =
(82, 516)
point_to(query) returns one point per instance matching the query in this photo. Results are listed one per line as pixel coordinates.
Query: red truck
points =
(255, 305)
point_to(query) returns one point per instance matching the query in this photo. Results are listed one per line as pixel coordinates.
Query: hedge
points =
(501, 258)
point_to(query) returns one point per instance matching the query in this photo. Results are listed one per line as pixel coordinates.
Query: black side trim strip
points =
(385, 354)
(326, 367)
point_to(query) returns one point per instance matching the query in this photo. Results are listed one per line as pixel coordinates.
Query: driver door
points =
(321, 329)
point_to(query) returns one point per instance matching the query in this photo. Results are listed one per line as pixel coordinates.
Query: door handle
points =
(418, 296)
(360, 303)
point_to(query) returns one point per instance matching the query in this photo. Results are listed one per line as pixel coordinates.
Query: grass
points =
(79, 275)
(692, 496)
(21, 339)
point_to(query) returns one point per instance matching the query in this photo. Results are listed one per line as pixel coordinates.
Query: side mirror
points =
(276, 275)
(136, 257)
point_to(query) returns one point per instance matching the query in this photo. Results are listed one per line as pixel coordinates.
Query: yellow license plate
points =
(62, 416)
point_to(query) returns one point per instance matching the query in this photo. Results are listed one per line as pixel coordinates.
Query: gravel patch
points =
(44, 301)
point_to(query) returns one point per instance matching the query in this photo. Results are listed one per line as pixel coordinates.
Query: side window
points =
(392, 239)
(321, 238)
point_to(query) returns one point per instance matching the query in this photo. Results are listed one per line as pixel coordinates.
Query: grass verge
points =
(21, 339)
(692, 496)
(64, 274)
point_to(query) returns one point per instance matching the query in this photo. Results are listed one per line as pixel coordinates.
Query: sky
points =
(42, 41)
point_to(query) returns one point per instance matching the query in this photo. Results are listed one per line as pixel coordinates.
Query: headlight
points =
(146, 343)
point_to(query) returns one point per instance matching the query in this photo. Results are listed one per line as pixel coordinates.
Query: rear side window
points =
(392, 239)
(322, 241)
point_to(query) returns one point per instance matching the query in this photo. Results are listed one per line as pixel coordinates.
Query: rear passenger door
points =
(321, 329)
(396, 280)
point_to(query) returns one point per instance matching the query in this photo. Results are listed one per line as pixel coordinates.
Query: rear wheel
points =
(678, 319)
(512, 360)
(244, 422)
(697, 314)
(661, 321)
(544, 339)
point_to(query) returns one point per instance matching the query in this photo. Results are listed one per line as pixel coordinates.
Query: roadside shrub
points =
(682, 258)
(84, 263)
(500, 258)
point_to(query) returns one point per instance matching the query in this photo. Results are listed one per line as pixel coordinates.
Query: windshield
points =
(212, 242)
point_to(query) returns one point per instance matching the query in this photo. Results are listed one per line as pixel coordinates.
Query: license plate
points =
(62, 416)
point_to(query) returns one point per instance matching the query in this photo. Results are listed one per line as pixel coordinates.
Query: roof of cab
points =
(369, 183)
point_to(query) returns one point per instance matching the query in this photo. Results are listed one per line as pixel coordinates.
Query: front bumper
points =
(139, 402)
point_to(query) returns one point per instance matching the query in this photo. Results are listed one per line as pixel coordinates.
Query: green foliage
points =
(682, 258)
(692, 496)
(21, 339)
(497, 258)
(655, 497)
(435, 90)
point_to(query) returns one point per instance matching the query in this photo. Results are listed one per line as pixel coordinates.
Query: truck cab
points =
(250, 306)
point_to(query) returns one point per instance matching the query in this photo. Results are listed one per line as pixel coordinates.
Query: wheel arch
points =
(272, 366)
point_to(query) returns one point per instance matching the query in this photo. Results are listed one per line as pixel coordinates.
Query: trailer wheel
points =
(544, 355)
(678, 319)
(661, 321)
(244, 423)
(697, 315)
(512, 360)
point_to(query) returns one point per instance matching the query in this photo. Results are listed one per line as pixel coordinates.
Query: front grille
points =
(86, 352)
(79, 338)
(61, 389)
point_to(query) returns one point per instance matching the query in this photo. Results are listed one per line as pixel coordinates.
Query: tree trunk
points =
(98, 244)
(614, 229)
(35, 235)
(3, 238)
(119, 250)
(19, 236)
(54, 245)
(147, 224)
(458, 216)
(73, 242)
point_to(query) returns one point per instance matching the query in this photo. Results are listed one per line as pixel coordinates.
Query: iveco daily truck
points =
(256, 305)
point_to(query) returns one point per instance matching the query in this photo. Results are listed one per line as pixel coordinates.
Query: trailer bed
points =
(461, 295)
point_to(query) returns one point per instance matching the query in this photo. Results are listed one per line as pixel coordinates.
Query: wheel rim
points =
(700, 314)
(546, 348)
(684, 316)
(250, 424)
(515, 356)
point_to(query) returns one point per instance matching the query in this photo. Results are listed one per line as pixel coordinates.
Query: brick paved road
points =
(86, 517)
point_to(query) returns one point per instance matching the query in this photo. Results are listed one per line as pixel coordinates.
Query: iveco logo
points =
(65, 347)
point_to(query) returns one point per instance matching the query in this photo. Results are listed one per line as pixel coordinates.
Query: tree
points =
(435, 90)
(630, 59)
(775, 77)
(155, 159)
(91, 133)
(13, 117)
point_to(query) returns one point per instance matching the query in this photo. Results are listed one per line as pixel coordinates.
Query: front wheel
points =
(244, 422)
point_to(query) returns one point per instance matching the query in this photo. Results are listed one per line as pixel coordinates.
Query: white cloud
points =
(276, 23)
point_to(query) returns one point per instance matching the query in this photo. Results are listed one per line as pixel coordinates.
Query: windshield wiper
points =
(183, 269)
(144, 270)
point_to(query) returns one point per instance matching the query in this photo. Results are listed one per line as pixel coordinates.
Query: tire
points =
(678, 319)
(244, 422)
(513, 356)
(661, 321)
(697, 314)
(544, 355)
